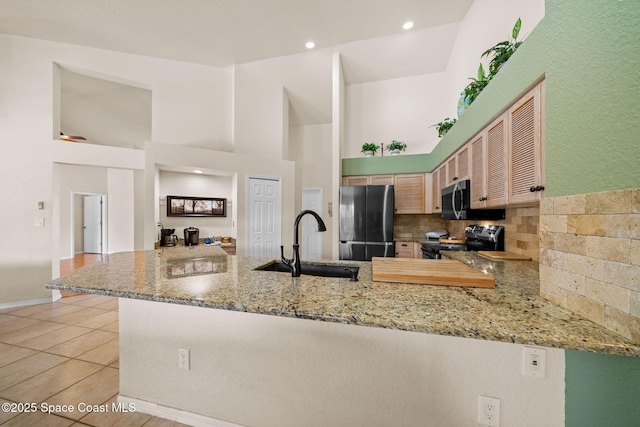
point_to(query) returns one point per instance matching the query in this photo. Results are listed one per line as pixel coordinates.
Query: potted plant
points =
(474, 88)
(396, 147)
(444, 126)
(502, 51)
(369, 149)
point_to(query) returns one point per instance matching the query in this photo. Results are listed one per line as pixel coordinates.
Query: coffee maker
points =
(191, 236)
(167, 238)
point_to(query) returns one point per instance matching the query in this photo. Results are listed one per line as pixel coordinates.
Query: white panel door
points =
(264, 217)
(311, 238)
(92, 224)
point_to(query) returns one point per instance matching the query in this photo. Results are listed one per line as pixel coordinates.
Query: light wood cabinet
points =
(409, 193)
(457, 167)
(497, 162)
(408, 250)
(526, 148)
(438, 177)
(368, 180)
(478, 171)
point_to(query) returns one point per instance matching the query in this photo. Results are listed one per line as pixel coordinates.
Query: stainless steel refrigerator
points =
(366, 222)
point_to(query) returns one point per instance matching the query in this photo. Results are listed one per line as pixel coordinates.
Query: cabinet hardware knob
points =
(532, 189)
(539, 188)
(482, 199)
(455, 178)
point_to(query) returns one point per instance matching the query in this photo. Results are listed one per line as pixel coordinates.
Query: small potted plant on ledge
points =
(396, 147)
(369, 149)
(444, 126)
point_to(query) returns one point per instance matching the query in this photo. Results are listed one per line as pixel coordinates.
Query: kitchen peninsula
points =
(290, 371)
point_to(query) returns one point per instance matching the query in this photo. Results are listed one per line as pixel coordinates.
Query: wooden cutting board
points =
(451, 241)
(446, 272)
(499, 255)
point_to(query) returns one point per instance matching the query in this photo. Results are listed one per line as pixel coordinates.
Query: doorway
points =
(264, 217)
(88, 223)
(311, 237)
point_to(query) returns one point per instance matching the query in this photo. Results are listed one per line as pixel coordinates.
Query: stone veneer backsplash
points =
(520, 228)
(590, 257)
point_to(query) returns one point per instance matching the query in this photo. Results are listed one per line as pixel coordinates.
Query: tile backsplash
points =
(590, 257)
(521, 228)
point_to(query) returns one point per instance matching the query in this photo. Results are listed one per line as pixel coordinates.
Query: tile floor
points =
(63, 353)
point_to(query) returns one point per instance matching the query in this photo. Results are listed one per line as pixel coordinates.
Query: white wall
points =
(120, 211)
(262, 370)
(400, 109)
(192, 185)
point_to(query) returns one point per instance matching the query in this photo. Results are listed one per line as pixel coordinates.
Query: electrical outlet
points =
(183, 359)
(488, 411)
(533, 363)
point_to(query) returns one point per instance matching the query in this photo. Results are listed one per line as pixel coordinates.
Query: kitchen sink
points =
(324, 270)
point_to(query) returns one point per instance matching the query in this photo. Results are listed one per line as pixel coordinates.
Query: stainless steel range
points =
(478, 238)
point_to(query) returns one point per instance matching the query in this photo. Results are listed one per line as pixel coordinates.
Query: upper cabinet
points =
(410, 194)
(526, 148)
(496, 166)
(478, 171)
(368, 180)
(457, 167)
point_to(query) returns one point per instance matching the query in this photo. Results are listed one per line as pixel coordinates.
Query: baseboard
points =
(172, 414)
(25, 303)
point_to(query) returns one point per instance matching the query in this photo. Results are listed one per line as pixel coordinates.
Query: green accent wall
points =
(601, 390)
(589, 54)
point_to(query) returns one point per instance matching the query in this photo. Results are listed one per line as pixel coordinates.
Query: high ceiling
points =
(267, 34)
(220, 32)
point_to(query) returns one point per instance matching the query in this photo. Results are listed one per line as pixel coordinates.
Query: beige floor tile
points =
(13, 323)
(30, 310)
(96, 389)
(93, 301)
(54, 338)
(106, 354)
(80, 315)
(161, 422)
(120, 419)
(115, 364)
(113, 327)
(38, 419)
(57, 311)
(50, 382)
(100, 321)
(82, 344)
(26, 368)
(24, 334)
(109, 305)
(10, 353)
(6, 415)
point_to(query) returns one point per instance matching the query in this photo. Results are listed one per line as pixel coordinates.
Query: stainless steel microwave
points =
(456, 204)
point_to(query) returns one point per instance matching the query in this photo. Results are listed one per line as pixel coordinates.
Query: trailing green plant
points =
(476, 86)
(444, 126)
(397, 145)
(502, 51)
(370, 147)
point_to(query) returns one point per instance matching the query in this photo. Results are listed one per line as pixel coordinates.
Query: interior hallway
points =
(64, 353)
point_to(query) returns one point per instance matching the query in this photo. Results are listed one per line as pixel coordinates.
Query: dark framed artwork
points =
(196, 206)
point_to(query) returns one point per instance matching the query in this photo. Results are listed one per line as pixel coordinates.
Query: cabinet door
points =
(478, 171)
(404, 249)
(356, 180)
(381, 180)
(436, 191)
(497, 162)
(409, 193)
(452, 170)
(525, 150)
(463, 159)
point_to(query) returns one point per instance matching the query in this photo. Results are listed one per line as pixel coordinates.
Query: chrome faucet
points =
(294, 263)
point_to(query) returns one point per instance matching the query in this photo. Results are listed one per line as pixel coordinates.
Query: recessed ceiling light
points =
(310, 45)
(197, 171)
(407, 25)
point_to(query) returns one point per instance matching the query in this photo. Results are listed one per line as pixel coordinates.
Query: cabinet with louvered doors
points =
(526, 148)
(409, 194)
(478, 148)
(496, 165)
(438, 181)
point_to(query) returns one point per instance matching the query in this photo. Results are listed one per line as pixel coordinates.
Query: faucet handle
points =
(284, 260)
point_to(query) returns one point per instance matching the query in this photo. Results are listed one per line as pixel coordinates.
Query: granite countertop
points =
(206, 276)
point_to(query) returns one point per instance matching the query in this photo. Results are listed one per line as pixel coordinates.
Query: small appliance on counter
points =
(191, 236)
(477, 238)
(436, 234)
(167, 238)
